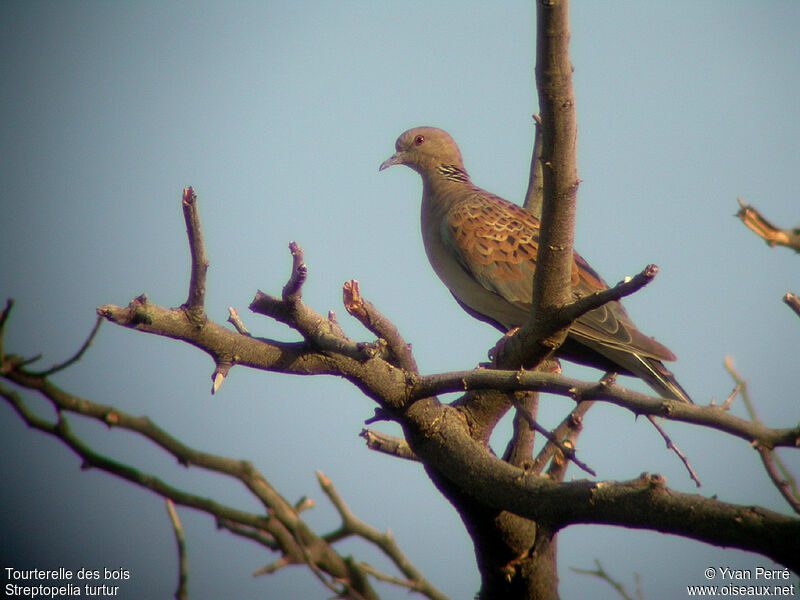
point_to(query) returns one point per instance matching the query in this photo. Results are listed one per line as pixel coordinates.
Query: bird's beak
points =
(394, 159)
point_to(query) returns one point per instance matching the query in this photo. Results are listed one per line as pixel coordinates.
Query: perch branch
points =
(638, 403)
(395, 389)
(560, 318)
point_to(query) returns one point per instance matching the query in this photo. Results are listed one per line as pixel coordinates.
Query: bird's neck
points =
(442, 185)
(442, 180)
(454, 173)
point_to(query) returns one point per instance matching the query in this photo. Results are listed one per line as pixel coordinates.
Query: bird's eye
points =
(419, 139)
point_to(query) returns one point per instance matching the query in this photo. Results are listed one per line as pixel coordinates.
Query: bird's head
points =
(425, 149)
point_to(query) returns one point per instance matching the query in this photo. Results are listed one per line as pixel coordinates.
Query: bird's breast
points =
(459, 280)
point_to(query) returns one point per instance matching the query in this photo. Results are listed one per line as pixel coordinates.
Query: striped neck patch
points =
(453, 173)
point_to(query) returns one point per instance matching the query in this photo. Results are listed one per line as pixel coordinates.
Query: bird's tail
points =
(658, 377)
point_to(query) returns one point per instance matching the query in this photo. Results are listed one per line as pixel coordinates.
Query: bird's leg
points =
(608, 379)
(498, 347)
(548, 365)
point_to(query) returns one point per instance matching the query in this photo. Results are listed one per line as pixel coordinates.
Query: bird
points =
(484, 249)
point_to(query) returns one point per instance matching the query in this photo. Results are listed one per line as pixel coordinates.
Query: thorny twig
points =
(776, 469)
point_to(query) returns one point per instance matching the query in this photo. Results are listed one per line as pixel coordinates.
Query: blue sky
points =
(279, 117)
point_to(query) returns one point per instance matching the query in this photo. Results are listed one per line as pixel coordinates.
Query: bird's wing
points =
(496, 244)
(496, 241)
(610, 325)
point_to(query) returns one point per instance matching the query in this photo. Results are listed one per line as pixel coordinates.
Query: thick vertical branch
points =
(559, 181)
(551, 284)
(559, 143)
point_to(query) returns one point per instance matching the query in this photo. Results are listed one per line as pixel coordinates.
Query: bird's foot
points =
(498, 347)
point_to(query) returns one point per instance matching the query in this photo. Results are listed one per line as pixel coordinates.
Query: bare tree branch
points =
(778, 472)
(566, 451)
(351, 525)
(568, 313)
(181, 593)
(774, 236)
(519, 450)
(533, 197)
(195, 303)
(640, 404)
(3, 320)
(395, 388)
(61, 430)
(671, 445)
(567, 431)
(282, 530)
(792, 301)
(75, 357)
(388, 444)
(224, 345)
(780, 477)
(642, 503)
(292, 291)
(291, 535)
(601, 573)
(374, 321)
(323, 333)
(551, 282)
(236, 321)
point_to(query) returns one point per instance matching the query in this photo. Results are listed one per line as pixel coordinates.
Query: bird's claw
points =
(495, 352)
